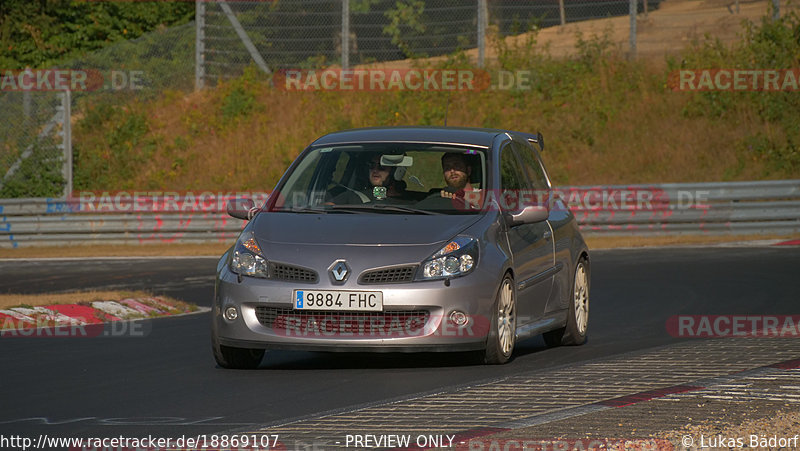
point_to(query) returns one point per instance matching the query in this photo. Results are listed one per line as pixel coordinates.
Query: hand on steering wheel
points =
(457, 198)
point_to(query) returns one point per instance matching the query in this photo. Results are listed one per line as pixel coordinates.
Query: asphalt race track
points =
(165, 383)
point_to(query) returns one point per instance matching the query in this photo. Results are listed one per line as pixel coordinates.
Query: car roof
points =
(482, 137)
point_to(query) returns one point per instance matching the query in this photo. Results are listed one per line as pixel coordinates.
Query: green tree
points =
(39, 33)
(405, 21)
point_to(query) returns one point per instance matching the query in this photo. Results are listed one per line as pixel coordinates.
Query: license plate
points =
(345, 301)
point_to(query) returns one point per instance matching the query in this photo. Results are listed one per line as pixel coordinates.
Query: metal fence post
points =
(483, 23)
(776, 9)
(345, 34)
(199, 44)
(562, 12)
(632, 40)
(66, 134)
(248, 43)
(737, 6)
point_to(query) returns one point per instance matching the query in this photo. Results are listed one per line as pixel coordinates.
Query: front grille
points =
(289, 273)
(343, 324)
(398, 274)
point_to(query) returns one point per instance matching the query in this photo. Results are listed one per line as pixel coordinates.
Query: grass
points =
(606, 120)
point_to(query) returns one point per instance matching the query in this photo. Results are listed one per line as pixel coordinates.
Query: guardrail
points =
(708, 208)
(765, 207)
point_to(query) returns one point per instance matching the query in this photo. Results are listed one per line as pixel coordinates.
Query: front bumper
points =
(415, 317)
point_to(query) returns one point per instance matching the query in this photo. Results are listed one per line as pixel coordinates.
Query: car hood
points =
(358, 229)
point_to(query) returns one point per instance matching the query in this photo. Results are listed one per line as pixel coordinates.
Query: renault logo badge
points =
(339, 272)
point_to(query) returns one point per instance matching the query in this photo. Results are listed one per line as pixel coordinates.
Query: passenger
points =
(456, 172)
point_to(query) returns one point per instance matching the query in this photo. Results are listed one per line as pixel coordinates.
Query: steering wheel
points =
(363, 197)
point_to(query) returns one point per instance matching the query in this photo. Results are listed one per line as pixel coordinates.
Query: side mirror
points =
(242, 208)
(528, 215)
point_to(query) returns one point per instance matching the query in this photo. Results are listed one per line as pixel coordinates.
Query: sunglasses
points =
(454, 167)
(376, 165)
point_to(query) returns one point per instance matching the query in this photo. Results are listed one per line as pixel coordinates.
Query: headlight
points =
(457, 258)
(247, 258)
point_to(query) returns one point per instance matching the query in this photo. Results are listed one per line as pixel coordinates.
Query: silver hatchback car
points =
(404, 239)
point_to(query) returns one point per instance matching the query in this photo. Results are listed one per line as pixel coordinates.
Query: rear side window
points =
(510, 176)
(512, 181)
(531, 166)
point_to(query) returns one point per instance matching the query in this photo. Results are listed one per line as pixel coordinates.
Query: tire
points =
(574, 333)
(235, 358)
(502, 334)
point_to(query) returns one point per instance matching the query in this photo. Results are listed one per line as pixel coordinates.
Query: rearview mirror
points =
(402, 161)
(242, 208)
(529, 215)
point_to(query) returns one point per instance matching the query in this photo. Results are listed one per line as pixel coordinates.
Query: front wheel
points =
(502, 335)
(574, 333)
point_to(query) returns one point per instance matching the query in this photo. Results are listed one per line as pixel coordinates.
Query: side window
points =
(341, 165)
(512, 182)
(531, 166)
(297, 192)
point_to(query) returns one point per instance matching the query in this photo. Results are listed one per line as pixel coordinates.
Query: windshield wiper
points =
(403, 209)
(382, 207)
(305, 210)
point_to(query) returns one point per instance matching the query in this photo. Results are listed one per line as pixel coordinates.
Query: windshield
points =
(386, 178)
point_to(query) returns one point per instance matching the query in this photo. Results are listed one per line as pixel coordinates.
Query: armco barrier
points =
(768, 207)
(709, 208)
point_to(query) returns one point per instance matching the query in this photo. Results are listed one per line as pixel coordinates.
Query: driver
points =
(382, 181)
(381, 185)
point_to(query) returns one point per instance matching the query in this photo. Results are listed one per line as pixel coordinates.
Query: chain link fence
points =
(513, 17)
(308, 34)
(35, 138)
(32, 148)
(145, 67)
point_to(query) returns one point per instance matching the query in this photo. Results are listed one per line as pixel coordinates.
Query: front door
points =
(530, 245)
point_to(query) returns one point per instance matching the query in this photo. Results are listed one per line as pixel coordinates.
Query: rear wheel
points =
(502, 334)
(235, 358)
(574, 333)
